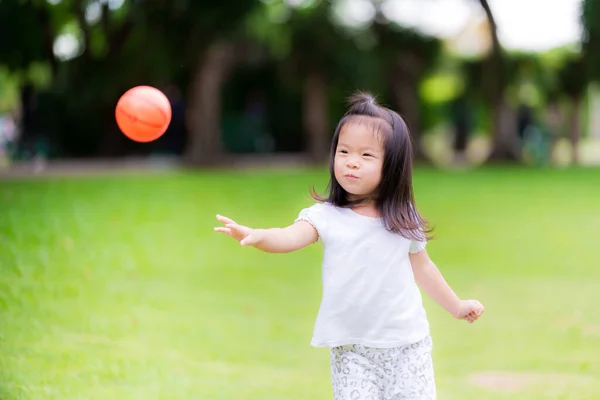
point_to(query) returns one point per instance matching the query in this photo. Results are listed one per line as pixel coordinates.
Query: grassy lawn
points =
(118, 288)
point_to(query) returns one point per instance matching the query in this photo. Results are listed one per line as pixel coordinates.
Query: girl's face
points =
(358, 160)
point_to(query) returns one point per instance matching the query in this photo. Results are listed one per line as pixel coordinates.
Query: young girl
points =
(371, 314)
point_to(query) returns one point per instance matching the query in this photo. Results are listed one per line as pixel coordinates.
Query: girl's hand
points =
(469, 310)
(246, 236)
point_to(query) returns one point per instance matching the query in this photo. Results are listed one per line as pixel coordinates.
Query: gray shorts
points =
(366, 373)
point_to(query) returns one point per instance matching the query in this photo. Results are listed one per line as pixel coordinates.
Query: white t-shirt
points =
(370, 296)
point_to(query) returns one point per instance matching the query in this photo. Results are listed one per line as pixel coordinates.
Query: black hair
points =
(395, 197)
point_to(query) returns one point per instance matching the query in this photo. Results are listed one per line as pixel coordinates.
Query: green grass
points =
(118, 288)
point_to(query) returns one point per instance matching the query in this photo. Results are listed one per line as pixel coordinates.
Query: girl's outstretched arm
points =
(430, 279)
(274, 240)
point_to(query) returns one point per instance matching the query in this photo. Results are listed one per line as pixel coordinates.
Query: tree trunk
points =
(575, 133)
(505, 142)
(404, 81)
(204, 111)
(315, 116)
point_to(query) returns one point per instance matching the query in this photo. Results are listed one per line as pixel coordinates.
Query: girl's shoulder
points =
(320, 209)
(320, 216)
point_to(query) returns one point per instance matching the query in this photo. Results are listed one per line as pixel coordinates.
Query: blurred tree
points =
(405, 56)
(114, 47)
(69, 40)
(581, 69)
(315, 45)
(31, 27)
(505, 142)
(590, 19)
(314, 48)
(573, 80)
(200, 38)
(328, 53)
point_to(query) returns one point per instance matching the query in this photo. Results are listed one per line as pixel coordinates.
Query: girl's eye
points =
(367, 155)
(343, 151)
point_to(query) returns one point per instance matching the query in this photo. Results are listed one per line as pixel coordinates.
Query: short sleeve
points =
(316, 216)
(417, 246)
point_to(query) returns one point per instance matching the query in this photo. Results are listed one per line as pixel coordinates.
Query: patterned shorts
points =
(366, 373)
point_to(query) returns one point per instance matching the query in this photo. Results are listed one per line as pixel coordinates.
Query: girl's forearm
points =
(276, 240)
(430, 279)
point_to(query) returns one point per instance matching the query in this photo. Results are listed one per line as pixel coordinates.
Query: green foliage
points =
(318, 43)
(276, 36)
(394, 41)
(9, 93)
(161, 41)
(24, 23)
(441, 87)
(573, 77)
(142, 42)
(590, 18)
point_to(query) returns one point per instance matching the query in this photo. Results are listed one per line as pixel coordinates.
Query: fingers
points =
(230, 229)
(471, 311)
(475, 309)
(229, 225)
(224, 219)
(478, 308)
(248, 241)
(471, 317)
(467, 317)
(481, 308)
(223, 230)
(235, 231)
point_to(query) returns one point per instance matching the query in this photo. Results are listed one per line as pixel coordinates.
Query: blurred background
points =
(476, 80)
(115, 286)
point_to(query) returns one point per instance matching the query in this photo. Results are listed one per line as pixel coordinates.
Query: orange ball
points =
(143, 113)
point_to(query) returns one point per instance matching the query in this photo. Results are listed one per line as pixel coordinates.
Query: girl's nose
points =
(352, 163)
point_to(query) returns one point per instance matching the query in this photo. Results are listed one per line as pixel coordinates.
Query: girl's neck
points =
(367, 211)
(367, 207)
